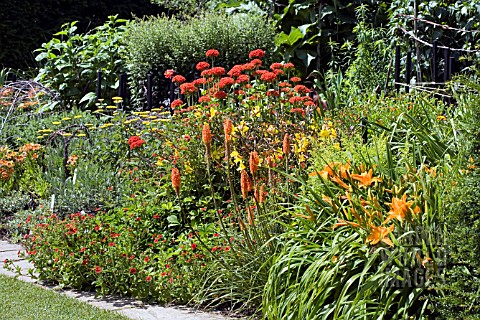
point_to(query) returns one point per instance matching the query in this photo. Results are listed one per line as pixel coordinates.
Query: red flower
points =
(258, 53)
(98, 269)
(288, 65)
(212, 53)
(204, 99)
(176, 103)
(187, 88)
(202, 65)
(179, 79)
(295, 79)
(146, 259)
(148, 279)
(256, 62)
(276, 65)
(235, 71)
(301, 89)
(169, 73)
(111, 244)
(220, 95)
(135, 142)
(268, 76)
(243, 78)
(226, 82)
(248, 66)
(218, 71)
(199, 82)
(194, 246)
(133, 270)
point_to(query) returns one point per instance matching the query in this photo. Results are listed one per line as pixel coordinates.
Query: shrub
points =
(70, 61)
(157, 44)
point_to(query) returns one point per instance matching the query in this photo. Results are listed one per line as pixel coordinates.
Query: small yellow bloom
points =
(56, 122)
(66, 119)
(111, 107)
(441, 118)
(78, 116)
(66, 134)
(81, 135)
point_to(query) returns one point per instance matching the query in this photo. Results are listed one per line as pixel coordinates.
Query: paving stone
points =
(6, 246)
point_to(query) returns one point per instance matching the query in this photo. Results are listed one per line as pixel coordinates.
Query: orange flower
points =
(366, 178)
(254, 161)
(250, 216)
(286, 144)
(399, 208)
(206, 134)
(342, 223)
(380, 234)
(227, 128)
(340, 183)
(245, 184)
(176, 180)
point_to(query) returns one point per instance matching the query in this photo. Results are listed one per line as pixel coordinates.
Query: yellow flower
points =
(242, 127)
(81, 135)
(441, 118)
(89, 124)
(146, 123)
(78, 116)
(213, 112)
(66, 119)
(66, 134)
(56, 122)
(111, 107)
(256, 112)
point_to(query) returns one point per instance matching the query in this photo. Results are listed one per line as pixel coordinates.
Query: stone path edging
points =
(131, 308)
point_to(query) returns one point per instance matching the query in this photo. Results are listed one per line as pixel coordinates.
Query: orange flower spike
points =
(176, 180)
(380, 234)
(244, 183)
(206, 134)
(262, 194)
(399, 208)
(366, 179)
(254, 161)
(286, 144)
(227, 128)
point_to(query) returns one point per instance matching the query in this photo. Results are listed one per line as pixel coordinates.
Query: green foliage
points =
(449, 18)
(458, 291)
(308, 29)
(157, 44)
(70, 61)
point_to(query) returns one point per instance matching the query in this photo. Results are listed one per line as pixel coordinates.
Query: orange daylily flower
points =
(399, 208)
(340, 183)
(380, 234)
(366, 179)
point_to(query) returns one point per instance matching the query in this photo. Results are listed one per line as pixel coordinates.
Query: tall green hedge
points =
(160, 43)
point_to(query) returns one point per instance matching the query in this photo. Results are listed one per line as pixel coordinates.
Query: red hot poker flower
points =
(176, 180)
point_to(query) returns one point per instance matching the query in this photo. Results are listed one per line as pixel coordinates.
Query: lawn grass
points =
(20, 300)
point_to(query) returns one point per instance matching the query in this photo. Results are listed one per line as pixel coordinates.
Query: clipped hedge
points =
(160, 43)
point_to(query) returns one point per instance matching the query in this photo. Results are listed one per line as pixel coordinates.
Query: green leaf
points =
(173, 220)
(295, 35)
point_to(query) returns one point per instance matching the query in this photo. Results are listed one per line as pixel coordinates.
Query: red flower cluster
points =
(301, 89)
(216, 71)
(235, 71)
(226, 82)
(243, 78)
(212, 53)
(276, 65)
(187, 88)
(179, 79)
(176, 103)
(135, 142)
(268, 77)
(258, 53)
(220, 95)
(202, 65)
